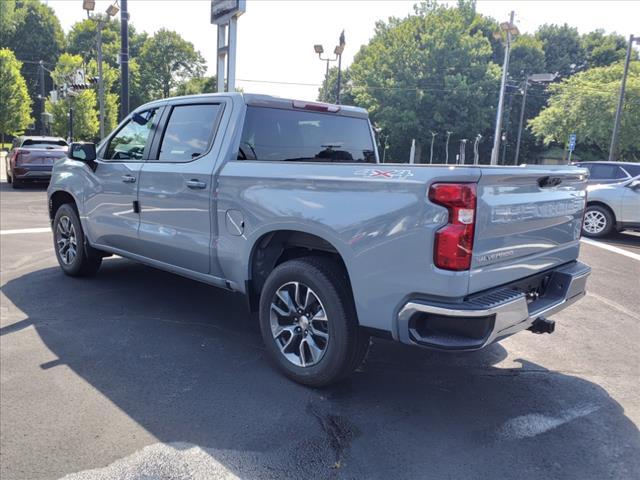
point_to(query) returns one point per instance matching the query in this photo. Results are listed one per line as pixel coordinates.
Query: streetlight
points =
(534, 78)
(112, 10)
(510, 29)
(320, 50)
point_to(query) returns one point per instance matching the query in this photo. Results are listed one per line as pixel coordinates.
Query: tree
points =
(196, 85)
(166, 60)
(37, 35)
(327, 92)
(83, 102)
(15, 111)
(601, 50)
(562, 49)
(427, 72)
(81, 39)
(585, 104)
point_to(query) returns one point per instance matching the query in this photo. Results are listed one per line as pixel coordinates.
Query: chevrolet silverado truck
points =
(286, 202)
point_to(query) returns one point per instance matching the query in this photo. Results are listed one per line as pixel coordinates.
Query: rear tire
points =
(308, 322)
(598, 222)
(15, 183)
(75, 256)
(9, 179)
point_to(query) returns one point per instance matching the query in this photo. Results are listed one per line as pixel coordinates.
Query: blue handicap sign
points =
(572, 141)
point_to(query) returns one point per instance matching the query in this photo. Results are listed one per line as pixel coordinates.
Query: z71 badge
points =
(383, 173)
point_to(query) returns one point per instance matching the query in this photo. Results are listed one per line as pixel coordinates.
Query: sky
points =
(276, 37)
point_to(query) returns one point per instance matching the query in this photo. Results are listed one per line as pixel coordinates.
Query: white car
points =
(610, 207)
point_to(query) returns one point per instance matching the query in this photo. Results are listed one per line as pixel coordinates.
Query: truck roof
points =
(271, 101)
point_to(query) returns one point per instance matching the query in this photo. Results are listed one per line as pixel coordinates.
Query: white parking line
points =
(611, 248)
(25, 230)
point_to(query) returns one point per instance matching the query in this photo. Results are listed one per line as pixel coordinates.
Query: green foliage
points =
(196, 85)
(527, 56)
(585, 104)
(84, 102)
(428, 72)
(328, 91)
(166, 60)
(85, 116)
(601, 50)
(562, 48)
(15, 111)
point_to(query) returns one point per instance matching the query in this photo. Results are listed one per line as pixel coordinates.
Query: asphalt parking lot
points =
(139, 374)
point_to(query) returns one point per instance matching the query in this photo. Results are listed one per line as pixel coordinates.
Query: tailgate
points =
(41, 156)
(528, 220)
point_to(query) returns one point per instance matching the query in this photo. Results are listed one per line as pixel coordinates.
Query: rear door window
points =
(600, 171)
(189, 132)
(289, 135)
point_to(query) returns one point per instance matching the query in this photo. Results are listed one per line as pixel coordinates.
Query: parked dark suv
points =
(31, 159)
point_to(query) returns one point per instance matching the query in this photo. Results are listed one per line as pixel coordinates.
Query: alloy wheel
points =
(66, 240)
(299, 324)
(594, 222)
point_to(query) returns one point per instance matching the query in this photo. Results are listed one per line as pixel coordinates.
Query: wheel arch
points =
(59, 198)
(277, 246)
(599, 203)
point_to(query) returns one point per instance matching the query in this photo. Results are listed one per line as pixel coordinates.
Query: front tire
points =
(308, 321)
(598, 222)
(76, 258)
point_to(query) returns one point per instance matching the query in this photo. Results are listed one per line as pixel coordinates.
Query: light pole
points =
(446, 151)
(319, 49)
(433, 136)
(535, 78)
(616, 123)
(510, 29)
(112, 10)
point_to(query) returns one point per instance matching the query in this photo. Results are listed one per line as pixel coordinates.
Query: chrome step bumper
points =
(490, 316)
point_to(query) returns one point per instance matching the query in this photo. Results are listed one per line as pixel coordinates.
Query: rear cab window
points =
(189, 132)
(273, 134)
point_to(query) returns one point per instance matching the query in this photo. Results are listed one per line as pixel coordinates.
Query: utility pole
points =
(70, 122)
(524, 103)
(338, 51)
(616, 123)
(511, 29)
(41, 72)
(100, 79)
(124, 59)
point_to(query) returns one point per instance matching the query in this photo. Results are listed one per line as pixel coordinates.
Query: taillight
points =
(454, 242)
(20, 154)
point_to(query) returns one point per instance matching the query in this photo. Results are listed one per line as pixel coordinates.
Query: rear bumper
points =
(490, 316)
(32, 172)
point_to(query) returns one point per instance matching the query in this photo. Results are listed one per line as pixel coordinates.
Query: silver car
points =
(610, 207)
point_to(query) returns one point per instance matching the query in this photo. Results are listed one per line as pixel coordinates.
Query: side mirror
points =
(83, 152)
(634, 184)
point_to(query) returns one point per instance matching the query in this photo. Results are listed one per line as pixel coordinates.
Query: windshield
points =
(290, 135)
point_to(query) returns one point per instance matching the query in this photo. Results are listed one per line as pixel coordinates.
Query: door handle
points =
(128, 179)
(196, 184)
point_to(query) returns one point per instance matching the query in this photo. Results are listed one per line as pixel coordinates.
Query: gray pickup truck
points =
(286, 202)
